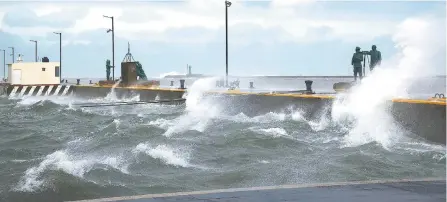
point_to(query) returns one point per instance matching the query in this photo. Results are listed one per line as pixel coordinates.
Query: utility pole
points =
(4, 64)
(227, 5)
(35, 51)
(60, 55)
(113, 45)
(12, 54)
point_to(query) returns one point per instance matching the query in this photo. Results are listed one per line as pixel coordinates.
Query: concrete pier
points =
(146, 94)
(423, 190)
(423, 118)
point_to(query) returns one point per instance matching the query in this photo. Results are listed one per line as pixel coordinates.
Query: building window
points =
(56, 71)
(43, 69)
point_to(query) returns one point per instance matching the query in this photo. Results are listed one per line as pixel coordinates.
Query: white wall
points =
(32, 73)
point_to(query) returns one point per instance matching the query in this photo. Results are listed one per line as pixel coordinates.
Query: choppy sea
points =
(50, 150)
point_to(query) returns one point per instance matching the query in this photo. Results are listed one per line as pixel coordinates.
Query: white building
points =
(34, 73)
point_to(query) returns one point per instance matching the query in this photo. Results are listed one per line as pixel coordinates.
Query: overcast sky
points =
(278, 37)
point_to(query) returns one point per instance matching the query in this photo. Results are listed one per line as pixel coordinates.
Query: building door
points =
(16, 76)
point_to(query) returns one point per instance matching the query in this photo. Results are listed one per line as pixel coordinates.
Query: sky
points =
(277, 37)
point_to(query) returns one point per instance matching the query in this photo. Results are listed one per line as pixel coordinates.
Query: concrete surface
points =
(428, 190)
(423, 118)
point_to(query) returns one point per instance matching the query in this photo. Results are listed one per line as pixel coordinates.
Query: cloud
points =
(288, 3)
(276, 37)
(52, 17)
(150, 20)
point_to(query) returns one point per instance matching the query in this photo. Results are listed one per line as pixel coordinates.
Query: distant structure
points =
(188, 69)
(188, 73)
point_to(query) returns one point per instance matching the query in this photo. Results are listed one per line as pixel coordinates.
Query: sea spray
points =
(199, 110)
(112, 94)
(366, 108)
(69, 162)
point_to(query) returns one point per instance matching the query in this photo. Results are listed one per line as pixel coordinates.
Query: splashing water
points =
(199, 110)
(366, 107)
(165, 153)
(69, 163)
(112, 95)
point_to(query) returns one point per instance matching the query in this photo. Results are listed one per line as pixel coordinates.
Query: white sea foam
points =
(63, 160)
(366, 108)
(164, 153)
(199, 110)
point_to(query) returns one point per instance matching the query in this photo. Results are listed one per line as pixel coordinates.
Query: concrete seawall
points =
(424, 118)
(145, 94)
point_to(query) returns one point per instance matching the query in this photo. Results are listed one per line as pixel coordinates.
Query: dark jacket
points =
(376, 57)
(357, 59)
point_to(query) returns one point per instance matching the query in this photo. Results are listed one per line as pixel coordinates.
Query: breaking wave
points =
(200, 145)
(366, 109)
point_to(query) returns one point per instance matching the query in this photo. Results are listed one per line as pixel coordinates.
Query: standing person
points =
(376, 57)
(356, 62)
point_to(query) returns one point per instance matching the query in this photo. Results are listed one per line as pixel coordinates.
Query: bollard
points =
(78, 81)
(308, 86)
(251, 84)
(172, 83)
(182, 84)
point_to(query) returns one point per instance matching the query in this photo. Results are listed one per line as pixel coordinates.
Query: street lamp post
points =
(227, 5)
(4, 64)
(113, 45)
(60, 55)
(35, 51)
(12, 54)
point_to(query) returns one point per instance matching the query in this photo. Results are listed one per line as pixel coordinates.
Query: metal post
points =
(113, 45)
(35, 51)
(4, 64)
(60, 55)
(227, 4)
(12, 54)
(113, 49)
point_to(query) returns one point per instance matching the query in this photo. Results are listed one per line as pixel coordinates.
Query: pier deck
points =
(427, 190)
